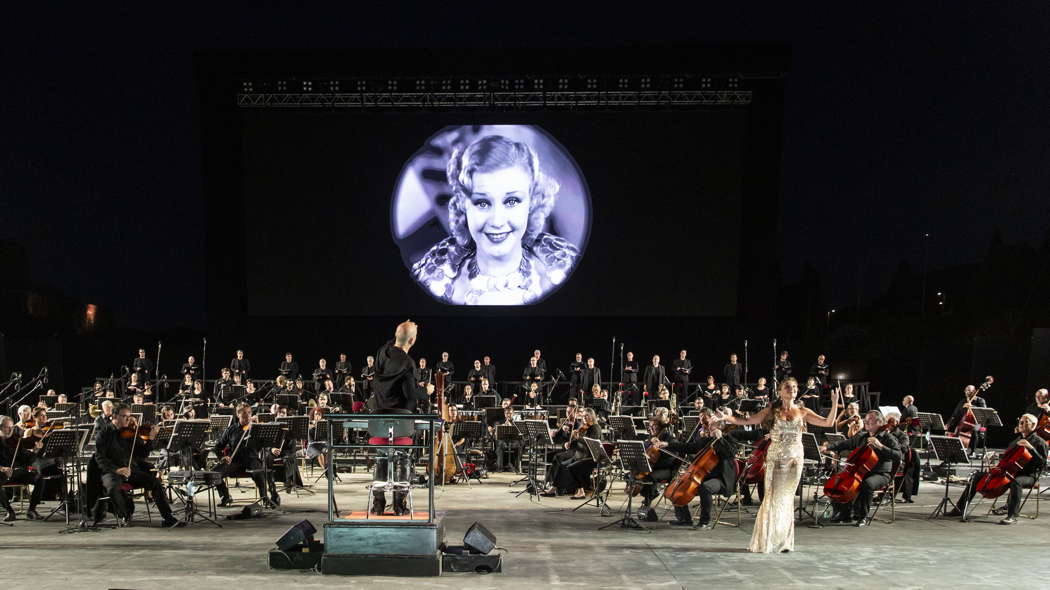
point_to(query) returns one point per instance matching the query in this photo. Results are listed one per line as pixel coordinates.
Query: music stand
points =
(486, 401)
(147, 411)
(288, 400)
(601, 483)
(188, 436)
(633, 462)
(68, 408)
(62, 444)
(468, 429)
(624, 427)
(751, 406)
(508, 433)
(950, 450)
(343, 400)
(493, 415)
(833, 438)
(689, 423)
(929, 421)
(533, 433)
(985, 417)
(262, 438)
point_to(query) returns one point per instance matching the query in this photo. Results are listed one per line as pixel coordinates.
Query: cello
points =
(1042, 428)
(998, 479)
(755, 466)
(685, 487)
(844, 486)
(967, 425)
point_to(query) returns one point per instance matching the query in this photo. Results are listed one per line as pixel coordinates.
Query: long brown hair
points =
(777, 406)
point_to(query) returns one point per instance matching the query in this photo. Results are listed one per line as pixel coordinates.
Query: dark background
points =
(646, 172)
(895, 123)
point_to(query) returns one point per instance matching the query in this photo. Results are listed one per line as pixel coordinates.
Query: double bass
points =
(967, 425)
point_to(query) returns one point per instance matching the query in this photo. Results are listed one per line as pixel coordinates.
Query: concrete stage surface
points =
(547, 545)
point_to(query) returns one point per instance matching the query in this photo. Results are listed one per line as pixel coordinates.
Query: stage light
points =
(705, 83)
(362, 85)
(519, 85)
(678, 83)
(592, 83)
(733, 82)
(563, 83)
(841, 376)
(333, 85)
(646, 83)
(391, 85)
(538, 83)
(247, 86)
(282, 85)
(308, 85)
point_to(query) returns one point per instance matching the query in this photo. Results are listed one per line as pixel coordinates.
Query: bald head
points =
(405, 334)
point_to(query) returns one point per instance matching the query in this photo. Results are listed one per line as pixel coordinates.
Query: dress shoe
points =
(841, 518)
(172, 523)
(681, 523)
(1008, 520)
(378, 506)
(704, 523)
(954, 512)
(276, 499)
(549, 494)
(10, 515)
(32, 514)
(224, 502)
(909, 501)
(861, 522)
(650, 516)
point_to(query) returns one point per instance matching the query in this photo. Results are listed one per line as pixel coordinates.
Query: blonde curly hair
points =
(486, 154)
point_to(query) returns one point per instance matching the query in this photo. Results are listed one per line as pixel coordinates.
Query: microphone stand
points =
(775, 386)
(612, 364)
(156, 372)
(745, 363)
(204, 364)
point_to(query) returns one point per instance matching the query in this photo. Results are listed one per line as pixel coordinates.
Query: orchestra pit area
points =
(545, 544)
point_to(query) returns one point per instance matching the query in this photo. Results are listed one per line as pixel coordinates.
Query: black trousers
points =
(512, 450)
(708, 489)
(146, 480)
(860, 505)
(1013, 498)
(21, 475)
(657, 476)
(910, 483)
(253, 467)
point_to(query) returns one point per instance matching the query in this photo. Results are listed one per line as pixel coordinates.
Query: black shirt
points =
(724, 447)
(887, 455)
(395, 384)
(447, 368)
(630, 372)
(143, 366)
(113, 452)
(1039, 454)
(289, 370)
(191, 370)
(820, 373)
(733, 373)
(240, 367)
(230, 439)
(682, 368)
(490, 373)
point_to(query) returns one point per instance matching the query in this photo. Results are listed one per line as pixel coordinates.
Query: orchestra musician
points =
(762, 391)
(532, 397)
(17, 455)
(664, 467)
(721, 479)
(1025, 478)
(25, 419)
(910, 416)
(237, 455)
(910, 483)
(1040, 405)
(888, 450)
(850, 422)
(134, 386)
(510, 448)
(486, 391)
(121, 453)
(240, 365)
(971, 399)
(570, 470)
(467, 400)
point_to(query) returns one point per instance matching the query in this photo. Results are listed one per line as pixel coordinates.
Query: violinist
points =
(120, 453)
(571, 469)
(1025, 478)
(698, 405)
(25, 419)
(721, 479)
(909, 485)
(512, 447)
(106, 416)
(850, 422)
(237, 456)
(16, 456)
(665, 465)
(888, 451)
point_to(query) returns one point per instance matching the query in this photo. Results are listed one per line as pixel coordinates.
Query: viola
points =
(999, 478)
(845, 485)
(143, 432)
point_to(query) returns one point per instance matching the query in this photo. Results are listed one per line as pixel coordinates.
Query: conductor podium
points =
(358, 543)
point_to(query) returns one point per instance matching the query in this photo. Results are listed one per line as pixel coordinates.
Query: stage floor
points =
(548, 545)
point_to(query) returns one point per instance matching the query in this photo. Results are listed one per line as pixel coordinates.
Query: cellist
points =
(721, 479)
(1024, 478)
(888, 451)
(664, 466)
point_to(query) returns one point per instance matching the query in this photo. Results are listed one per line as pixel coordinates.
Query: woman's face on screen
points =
(498, 210)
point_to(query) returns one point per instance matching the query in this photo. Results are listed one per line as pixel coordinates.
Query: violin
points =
(35, 435)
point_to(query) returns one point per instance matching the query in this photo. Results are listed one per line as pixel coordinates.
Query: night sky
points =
(910, 121)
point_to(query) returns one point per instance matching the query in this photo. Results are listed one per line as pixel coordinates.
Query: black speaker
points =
(478, 539)
(301, 533)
